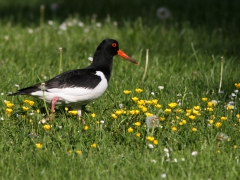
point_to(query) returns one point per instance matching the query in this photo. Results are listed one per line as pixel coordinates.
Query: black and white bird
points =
(80, 86)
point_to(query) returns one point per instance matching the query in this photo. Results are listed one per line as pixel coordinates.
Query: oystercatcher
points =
(80, 86)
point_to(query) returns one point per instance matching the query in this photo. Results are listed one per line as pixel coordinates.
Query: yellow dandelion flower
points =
(178, 110)
(194, 129)
(132, 112)
(168, 111)
(188, 111)
(66, 108)
(138, 134)
(192, 117)
(158, 106)
(230, 107)
(137, 112)
(47, 127)
(210, 121)
(150, 138)
(31, 121)
(78, 151)
(162, 118)
(9, 105)
(73, 112)
(38, 111)
(25, 108)
(127, 91)
(218, 124)
(38, 145)
(141, 102)
(148, 102)
(184, 121)
(9, 111)
(118, 112)
(239, 120)
(94, 145)
(238, 116)
(7, 102)
(210, 109)
(210, 104)
(135, 99)
(144, 109)
(237, 85)
(114, 116)
(148, 114)
(180, 123)
(137, 124)
(70, 151)
(85, 127)
(154, 101)
(174, 128)
(235, 146)
(155, 142)
(196, 108)
(130, 130)
(138, 90)
(93, 115)
(31, 103)
(204, 99)
(223, 118)
(172, 105)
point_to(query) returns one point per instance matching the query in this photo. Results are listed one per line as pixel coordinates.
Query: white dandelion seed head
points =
(43, 121)
(16, 85)
(80, 24)
(152, 93)
(152, 121)
(233, 95)
(98, 24)
(63, 27)
(60, 127)
(166, 150)
(2, 118)
(90, 58)
(194, 153)
(102, 121)
(236, 91)
(2, 93)
(121, 106)
(163, 13)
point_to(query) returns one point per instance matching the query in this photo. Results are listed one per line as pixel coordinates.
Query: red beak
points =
(123, 55)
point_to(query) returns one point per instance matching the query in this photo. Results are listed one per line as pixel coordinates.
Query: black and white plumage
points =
(80, 86)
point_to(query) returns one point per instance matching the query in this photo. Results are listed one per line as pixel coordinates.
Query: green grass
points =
(186, 60)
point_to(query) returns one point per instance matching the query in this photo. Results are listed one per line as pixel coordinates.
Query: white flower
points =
(160, 87)
(90, 59)
(60, 127)
(63, 27)
(194, 153)
(163, 176)
(98, 24)
(152, 93)
(166, 150)
(2, 93)
(153, 160)
(233, 95)
(150, 146)
(2, 118)
(102, 121)
(80, 24)
(50, 22)
(30, 31)
(236, 91)
(121, 106)
(163, 13)
(183, 159)
(16, 85)
(175, 160)
(152, 121)
(6, 38)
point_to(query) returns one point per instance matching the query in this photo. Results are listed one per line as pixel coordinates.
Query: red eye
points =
(114, 44)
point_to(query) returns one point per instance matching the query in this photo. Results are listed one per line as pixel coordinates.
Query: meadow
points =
(174, 116)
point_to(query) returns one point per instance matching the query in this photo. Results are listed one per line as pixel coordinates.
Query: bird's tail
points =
(26, 91)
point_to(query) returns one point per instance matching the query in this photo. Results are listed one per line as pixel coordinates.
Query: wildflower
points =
(163, 13)
(137, 112)
(172, 105)
(196, 108)
(152, 121)
(237, 85)
(180, 123)
(210, 104)
(132, 112)
(192, 117)
(168, 111)
(194, 129)
(148, 102)
(194, 153)
(73, 112)
(210, 121)
(9, 105)
(188, 111)
(138, 134)
(158, 106)
(38, 111)
(141, 102)
(29, 102)
(94, 145)
(9, 111)
(102, 121)
(78, 151)
(238, 116)
(155, 142)
(130, 130)
(154, 101)
(93, 115)
(150, 138)
(137, 124)
(114, 116)
(204, 99)
(70, 151)
(135, 99)
(184, 121)
(38, 145)
(118, 112)
(47, 127)
(144, 109)
(160, 87)
(235, 146)
(66, 108)
(223, 118)
(163, 176)
(222, 136)
(230, 107)
(127, 91)
(174, 128)
(148, 114)
(138, 90)
(162, 118)
(25, 108)
(218, 124)
(150, 146)
(85, 128)
(210, 109)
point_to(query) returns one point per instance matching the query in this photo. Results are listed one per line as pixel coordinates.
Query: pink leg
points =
(54, 101)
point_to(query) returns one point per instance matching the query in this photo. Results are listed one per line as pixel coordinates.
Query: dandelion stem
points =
(146, 66)
(221, 73)
(42, 8)
(60, 60)
(44, 101)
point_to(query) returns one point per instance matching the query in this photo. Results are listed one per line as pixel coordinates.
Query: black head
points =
(110, 46)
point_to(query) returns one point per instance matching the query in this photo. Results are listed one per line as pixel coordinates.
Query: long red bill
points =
(122, 54)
